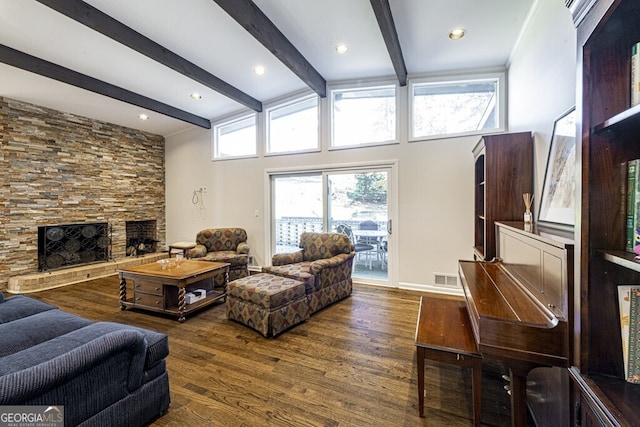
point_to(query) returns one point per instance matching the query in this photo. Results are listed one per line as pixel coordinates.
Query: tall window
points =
(293, 127)
(363, 116)
(235, 138)
(447, 108)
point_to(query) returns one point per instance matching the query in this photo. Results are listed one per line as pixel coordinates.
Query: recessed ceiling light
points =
(259, 70)
(143, 117)
(196, 95)
(457, 33)
(342, 49)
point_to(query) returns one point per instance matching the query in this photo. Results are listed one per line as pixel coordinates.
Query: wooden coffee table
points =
(164, 291)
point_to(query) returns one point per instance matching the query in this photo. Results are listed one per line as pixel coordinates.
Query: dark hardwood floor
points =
(352, 364)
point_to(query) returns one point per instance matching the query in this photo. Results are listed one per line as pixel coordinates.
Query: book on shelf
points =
(633, 205)
(625, 210)
(635, 74)
(633, 374)
(629, 310)
(624, 305)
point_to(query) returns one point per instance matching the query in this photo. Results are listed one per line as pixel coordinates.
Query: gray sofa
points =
(103, 373)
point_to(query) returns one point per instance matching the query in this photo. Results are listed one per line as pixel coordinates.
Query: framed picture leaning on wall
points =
(557, 205)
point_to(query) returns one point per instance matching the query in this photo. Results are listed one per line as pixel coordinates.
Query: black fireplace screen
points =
(72, 245)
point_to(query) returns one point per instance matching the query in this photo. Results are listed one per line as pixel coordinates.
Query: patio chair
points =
(359, 247)
(374, 241)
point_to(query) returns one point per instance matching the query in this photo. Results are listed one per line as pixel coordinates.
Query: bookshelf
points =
(503, 171)
(610, 129)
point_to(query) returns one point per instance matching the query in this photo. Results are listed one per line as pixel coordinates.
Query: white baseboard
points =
(434, 289)
(445, 290)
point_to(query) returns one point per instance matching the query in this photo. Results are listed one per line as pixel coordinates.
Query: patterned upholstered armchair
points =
(324, 264)
(223, 245)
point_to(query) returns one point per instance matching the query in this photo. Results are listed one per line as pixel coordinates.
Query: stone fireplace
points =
(59, 168)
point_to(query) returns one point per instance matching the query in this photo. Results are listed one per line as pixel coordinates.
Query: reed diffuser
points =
(528, 202)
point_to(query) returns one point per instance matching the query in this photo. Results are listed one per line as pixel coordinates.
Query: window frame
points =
(284, 104)
(229, 121)
(378, 84)
(499, 77)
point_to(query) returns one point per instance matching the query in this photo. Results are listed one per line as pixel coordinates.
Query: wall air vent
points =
(446, 280)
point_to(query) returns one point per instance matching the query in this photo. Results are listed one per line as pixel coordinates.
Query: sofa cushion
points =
(42, 351)
(48, 350)
(158, 343)
(37, 328)
(324, 245)
(287, 258)
(230, 257)
(299, 271)
(221, 239)
(109, 365)
(19, 306)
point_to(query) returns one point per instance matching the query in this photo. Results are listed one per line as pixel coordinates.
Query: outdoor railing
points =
(288, 229)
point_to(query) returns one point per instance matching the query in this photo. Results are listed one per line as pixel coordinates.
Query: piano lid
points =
(507, 322)
(517, 305)
(496, 295)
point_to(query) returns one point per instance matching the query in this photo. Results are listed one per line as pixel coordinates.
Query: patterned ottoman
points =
(267, 303)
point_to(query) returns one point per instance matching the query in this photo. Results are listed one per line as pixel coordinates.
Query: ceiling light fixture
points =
(457, 33)
(143, 117)
(342, 49)
(259, 70)
(196, 95)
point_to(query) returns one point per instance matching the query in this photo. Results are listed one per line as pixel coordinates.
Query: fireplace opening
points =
(141, 237)
(70, 245)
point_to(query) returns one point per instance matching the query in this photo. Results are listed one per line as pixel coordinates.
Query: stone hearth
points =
(68, 276)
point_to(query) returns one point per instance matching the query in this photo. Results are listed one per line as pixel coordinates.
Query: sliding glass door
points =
(297, 206)
(354, 202)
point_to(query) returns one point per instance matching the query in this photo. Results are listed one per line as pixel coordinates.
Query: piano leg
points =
(421, 351)
(518, 371)
(476, 384)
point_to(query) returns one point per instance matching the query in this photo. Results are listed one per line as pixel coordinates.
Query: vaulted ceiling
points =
(114, 59)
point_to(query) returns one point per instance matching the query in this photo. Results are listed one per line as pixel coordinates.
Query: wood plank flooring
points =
(351, 364)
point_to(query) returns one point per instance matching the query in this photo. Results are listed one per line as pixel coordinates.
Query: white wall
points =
(434, 225)
(542, 78)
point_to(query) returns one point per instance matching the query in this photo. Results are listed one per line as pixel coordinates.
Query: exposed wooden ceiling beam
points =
(383, 14)
(252, 19)
(48, 69)
(110, 27)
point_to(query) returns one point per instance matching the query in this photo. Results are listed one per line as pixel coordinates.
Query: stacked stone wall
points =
(59, 168)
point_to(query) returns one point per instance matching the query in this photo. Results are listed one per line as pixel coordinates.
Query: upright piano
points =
(521, 312)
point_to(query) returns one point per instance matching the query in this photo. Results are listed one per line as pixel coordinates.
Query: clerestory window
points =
(455, 107)
(235, 138)
(364, 116)
(293, 126)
